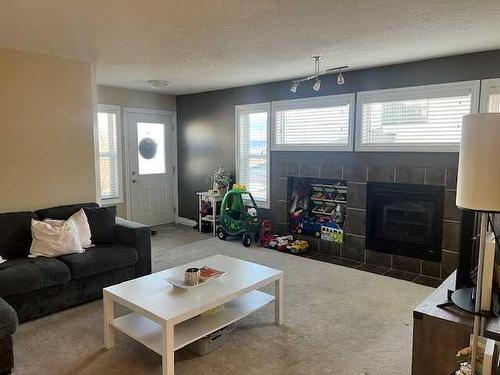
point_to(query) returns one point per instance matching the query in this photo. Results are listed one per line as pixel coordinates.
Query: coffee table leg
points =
(109, 316)
(278, 301)
(168, 349)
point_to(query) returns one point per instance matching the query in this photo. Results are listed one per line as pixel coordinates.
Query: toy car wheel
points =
(246, 240)
(317, 234)
(299, 230)
(221, 233)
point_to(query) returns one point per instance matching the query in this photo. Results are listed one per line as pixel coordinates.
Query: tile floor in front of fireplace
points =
(397, 274)
(173, 235)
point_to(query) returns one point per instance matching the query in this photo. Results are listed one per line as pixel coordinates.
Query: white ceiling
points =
(212, 44)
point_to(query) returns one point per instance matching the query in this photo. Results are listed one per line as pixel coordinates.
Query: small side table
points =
(213, 198)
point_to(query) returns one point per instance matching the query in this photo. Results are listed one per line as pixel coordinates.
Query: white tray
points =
(178, 281)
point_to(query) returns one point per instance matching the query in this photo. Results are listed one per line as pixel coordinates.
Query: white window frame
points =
(488, 87)
(108, 108)
(249, 108)
(409, 93)
(314, 102)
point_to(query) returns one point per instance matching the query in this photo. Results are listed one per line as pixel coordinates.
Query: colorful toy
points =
(298, 246)
(309, 225)
(283, 242)
(332, 232)
(239, 215)
(266, 233)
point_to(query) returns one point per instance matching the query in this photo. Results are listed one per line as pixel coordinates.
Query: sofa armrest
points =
(8, 320)
(8, 326)
(137, 236)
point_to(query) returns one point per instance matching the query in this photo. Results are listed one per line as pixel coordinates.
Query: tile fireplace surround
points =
(357, 169)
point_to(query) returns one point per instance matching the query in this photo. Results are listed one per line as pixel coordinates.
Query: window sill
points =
(311, 148)
(408, 147)
(111, 202)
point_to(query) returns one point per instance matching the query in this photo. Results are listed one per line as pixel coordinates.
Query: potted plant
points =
(221, 180)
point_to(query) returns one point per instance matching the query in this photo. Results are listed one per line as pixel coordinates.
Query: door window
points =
(151, 148)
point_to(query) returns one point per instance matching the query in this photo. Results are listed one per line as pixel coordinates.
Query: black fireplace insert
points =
(405, 219)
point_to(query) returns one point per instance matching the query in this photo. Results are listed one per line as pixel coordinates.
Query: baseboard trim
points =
(185, 221)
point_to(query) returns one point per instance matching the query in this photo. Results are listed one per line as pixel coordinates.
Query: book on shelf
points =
(487, 356)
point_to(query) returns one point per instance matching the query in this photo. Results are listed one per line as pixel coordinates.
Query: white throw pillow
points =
(83, 228)
(52, 238)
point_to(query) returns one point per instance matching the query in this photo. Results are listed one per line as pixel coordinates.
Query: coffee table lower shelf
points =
(149, 333)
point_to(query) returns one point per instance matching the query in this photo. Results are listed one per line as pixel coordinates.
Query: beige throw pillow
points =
(52, 238)
(83, 228)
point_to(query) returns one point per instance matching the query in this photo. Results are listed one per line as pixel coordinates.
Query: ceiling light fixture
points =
(157, 84)
(317, 85)
(340, 78)
(294, 87)
(317, 73)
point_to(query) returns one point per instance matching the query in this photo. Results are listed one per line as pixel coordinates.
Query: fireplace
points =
(405, 219)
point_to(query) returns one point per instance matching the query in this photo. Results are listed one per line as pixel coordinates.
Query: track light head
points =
(318, 73)
(317, 85)
(340, 78)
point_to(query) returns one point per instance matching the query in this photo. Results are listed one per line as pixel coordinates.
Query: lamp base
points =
(464, 299)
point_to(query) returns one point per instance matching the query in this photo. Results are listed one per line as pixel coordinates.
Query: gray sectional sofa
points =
(34, 287)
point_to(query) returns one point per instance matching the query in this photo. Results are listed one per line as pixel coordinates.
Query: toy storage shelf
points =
(328, 200)
(210, 218)
(338, 187)
(319, 205)
(212, 199)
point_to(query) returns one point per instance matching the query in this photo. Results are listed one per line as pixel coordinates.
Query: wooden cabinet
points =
(439, 333)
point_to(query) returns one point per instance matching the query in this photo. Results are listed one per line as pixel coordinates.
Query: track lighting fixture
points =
(340, 78)
(317, 73)
(317, 85)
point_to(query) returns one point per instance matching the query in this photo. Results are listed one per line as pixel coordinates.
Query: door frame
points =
(127, 111)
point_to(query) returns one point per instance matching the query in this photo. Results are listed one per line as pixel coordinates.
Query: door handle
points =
(133, 181)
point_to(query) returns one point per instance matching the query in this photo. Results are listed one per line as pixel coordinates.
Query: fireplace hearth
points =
(358, 170)
(405, 219)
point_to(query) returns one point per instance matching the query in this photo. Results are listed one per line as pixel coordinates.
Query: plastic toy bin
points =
(211, 342)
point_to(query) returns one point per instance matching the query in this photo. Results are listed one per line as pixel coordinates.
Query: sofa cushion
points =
(8, 319)
(102, 221)
(15, 234)
(99, 259)
(62, 212)
(22, 275)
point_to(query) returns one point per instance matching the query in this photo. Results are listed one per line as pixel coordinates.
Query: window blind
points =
(252, 153)
(493, 90)
(430, 119)
(108, 155)
(494, 103)
(323, 123)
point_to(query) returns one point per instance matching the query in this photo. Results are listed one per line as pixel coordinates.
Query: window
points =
(252, 150)
(109, 154)
(313, 124)
(424, 118)
(151, 148)
(490, 95)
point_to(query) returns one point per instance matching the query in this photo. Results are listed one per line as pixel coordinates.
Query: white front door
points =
(150, 167)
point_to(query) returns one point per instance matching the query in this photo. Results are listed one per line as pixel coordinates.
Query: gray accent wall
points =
(206, 128)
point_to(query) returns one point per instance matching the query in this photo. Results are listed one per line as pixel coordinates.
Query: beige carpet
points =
(337, 321)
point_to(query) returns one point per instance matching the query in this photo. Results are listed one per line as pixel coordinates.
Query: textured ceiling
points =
(211, 44)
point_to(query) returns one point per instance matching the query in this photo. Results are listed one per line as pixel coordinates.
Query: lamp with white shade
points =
(478, 189)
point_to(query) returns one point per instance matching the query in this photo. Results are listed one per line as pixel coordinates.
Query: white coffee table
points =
(165, 318)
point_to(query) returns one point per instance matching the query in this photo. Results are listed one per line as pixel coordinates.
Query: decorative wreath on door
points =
(148, 148)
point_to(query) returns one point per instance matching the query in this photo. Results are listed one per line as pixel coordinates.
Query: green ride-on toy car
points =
(239, 216)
